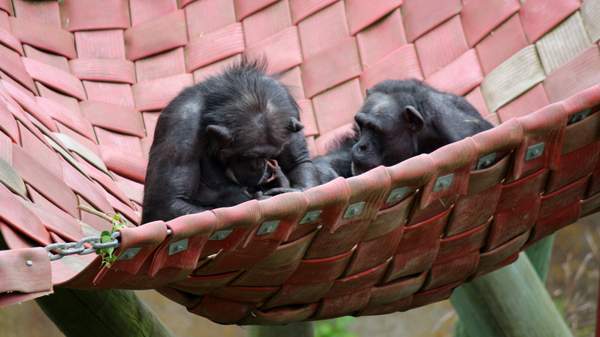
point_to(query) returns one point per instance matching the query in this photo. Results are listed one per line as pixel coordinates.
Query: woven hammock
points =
(82, 84)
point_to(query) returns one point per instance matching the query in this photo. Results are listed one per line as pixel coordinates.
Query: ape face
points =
(387, 126)
(255, 122)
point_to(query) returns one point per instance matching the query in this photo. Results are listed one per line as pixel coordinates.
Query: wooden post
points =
(539, 255)
(101, 313)
(510, 302)
(302, 329)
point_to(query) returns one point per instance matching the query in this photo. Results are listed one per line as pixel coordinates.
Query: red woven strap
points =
(81, 92)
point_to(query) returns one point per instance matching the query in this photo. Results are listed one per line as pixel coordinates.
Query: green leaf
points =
(108, 254)
(105, 236)
(118, 222)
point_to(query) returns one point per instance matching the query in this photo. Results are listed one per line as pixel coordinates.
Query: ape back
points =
(398, 120)
(213, 144)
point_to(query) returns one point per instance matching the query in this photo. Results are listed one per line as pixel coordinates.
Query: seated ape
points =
(225, 141)
(398, 120)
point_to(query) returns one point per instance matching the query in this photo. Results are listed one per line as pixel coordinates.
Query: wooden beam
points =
(101, 313)
(540, 254)
(510, 302)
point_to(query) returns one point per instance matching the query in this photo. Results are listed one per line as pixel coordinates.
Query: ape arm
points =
(174, 174)
(296, 164)
(170, 187)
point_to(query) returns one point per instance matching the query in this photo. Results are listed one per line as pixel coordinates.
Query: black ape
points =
(400, 119)
(218, 144)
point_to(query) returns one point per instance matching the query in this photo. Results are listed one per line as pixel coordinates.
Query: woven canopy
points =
(83, 82)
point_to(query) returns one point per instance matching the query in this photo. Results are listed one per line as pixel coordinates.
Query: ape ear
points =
(295, 125)
(220, 134)
(414, 118)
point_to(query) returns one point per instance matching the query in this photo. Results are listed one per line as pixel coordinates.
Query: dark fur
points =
(337, 162)
(226, 126)
(386, 133)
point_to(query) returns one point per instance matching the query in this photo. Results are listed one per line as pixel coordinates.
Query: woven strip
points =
(512, 78)
(590, 10)
(81, 91)
(563, 43)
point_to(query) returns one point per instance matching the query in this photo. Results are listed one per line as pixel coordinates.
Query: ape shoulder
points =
(180, 119)
(454, 117)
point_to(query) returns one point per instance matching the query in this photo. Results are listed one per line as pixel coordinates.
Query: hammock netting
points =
(82, 84)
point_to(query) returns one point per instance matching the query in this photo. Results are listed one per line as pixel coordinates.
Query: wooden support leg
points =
(510, 302)
(539, 255)
(303, 329)
(101, 313)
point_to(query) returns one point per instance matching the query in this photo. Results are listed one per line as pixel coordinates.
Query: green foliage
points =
(335, 328)
(561, 305)
(108, 254)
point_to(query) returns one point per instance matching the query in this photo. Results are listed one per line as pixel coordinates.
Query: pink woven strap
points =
(135, 251)
(25, 272)
(178, 256)
(81, 91)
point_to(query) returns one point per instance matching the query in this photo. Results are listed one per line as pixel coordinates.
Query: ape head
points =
(249, 119)
(404, 118)
(386, 127)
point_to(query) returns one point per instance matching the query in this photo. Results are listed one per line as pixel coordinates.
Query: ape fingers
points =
(282, 179)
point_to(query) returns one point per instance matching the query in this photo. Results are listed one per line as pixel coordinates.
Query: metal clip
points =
(534, 151)
(486, 161)
(267, 227)
(396, 195)
(178, 246)
(220, 235)
(581, 115)
(311, 216)
(129, 253)
(354, 210)
(443, 182)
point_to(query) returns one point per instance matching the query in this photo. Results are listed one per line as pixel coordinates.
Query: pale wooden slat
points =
(590, 13)
(563, 43)
(512, 78)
